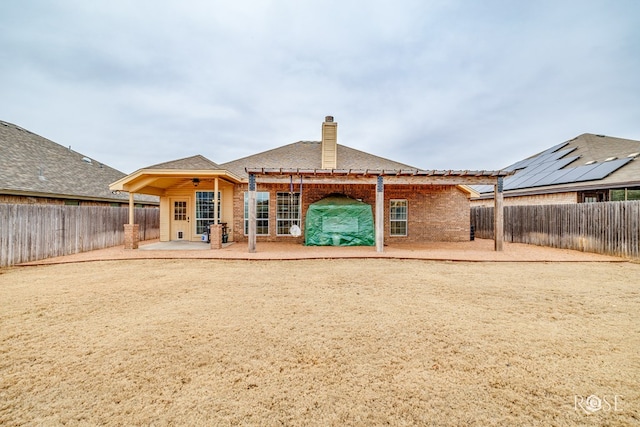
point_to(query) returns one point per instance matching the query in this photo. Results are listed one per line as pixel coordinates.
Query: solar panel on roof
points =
(574, 174)
(526, 162)
(601, 170)
(556, 147)
(552, 177)
(560, 154)
(532, 179)
(513, 184)
(483, 188)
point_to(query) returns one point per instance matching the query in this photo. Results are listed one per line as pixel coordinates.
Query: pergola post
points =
(380, 215)
(498, 215)
(252, 213)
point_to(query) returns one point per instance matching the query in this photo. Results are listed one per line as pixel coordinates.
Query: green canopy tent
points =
(338, 220)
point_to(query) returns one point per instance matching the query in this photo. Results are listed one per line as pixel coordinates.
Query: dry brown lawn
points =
(320, 342)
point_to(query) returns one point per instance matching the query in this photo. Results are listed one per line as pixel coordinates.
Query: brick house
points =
(261, 197)
(588, 168)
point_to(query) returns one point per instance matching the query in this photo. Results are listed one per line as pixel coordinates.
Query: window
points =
(625, 194)
(204, 210)
(398, 217)
(287, 212)
(262, 213)
(180, 210)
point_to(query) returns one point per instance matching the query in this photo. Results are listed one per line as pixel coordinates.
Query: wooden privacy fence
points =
(34, 232)
(611, 228)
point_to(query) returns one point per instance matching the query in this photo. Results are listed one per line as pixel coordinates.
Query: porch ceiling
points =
(157, 181)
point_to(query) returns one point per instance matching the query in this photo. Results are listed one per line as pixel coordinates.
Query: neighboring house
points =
(410, 204)
(36, 170)
(588, 168)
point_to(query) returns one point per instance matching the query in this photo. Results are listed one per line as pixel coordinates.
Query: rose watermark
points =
(592, 403)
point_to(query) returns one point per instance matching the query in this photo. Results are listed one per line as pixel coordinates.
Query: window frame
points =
(394, 221)
(262, 213)
(287, 222)
(197, 211)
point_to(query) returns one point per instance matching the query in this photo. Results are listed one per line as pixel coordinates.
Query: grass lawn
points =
(320, 342)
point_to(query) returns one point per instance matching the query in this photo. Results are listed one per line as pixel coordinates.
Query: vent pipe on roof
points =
(329, 143)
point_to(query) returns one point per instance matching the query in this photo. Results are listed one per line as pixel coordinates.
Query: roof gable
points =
(197, 162)
(308, 155)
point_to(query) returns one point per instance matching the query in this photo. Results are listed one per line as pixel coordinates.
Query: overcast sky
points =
(474, 84)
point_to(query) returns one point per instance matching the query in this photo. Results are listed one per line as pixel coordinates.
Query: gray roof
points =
(35, 166)
(586, 161)
(308, 155)
(197, 162)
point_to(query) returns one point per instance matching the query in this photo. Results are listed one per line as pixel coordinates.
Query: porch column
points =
(380, 215)
(216, 201)
(131, 209)
(498, 215)
(131, 230)
(215, 233)
(252, 213)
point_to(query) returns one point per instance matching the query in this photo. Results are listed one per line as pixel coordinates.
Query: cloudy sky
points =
(445, 84)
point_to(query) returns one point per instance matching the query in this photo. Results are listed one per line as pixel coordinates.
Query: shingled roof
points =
(197, 162)
(308, 155)
(31, 165)
(586, 161)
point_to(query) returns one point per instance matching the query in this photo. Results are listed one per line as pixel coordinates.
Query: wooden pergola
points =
(379, 178)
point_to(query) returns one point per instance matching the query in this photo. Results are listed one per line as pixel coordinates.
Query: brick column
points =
(215, 231)
(131, 236)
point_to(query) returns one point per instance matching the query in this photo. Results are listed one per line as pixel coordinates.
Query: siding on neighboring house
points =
(540, 199)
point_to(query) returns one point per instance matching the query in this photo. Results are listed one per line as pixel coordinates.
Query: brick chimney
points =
(329, 143)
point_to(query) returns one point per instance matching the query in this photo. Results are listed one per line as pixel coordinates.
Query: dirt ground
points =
(320, 342)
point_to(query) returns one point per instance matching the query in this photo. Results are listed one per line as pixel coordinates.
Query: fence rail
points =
(611, 228)
(34, 232)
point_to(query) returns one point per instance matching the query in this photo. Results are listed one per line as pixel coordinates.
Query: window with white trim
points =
(287, 212)
(262, 213)
(204, 210)
(398, 217)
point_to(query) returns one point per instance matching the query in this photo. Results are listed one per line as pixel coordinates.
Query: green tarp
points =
(338, 220)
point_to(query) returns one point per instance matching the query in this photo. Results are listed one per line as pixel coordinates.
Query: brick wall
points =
(435, 213)
(540, 199)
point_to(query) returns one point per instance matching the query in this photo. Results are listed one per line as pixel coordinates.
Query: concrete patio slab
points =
(176, 245)
(479, 250)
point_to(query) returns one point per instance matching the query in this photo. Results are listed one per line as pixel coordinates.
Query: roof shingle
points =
(31, 164)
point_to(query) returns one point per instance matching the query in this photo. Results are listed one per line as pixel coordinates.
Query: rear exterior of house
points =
(409, 205)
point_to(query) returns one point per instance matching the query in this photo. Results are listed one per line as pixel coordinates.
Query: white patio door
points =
(180, 220)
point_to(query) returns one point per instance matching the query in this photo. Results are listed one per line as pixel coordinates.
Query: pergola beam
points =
(389, 179)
